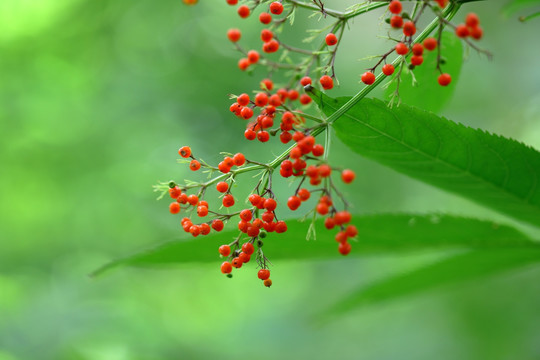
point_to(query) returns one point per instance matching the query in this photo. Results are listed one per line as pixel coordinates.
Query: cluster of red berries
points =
(470, 28)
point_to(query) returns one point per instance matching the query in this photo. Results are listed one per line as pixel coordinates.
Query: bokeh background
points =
(97, 96)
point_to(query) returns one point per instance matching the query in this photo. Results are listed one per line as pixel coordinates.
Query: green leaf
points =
(427, 93)
(452, 270)
(491, 170)
(385, 233)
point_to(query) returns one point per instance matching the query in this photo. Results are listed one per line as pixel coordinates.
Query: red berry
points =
(476, 32)
(322, 208)
(174, 208)
(267, 84)
(193, 199)
(368, 78)
(243, 64)
(331, 39)
(304, 194)
(347, 176)
(281, 227)
(263, 274)
(225, 250)
(265, 18)
(232, 2)
(417, 60)
(342, 217)
(246, 215)
(234, 35)
(430, 43)
(254, 199)
(444, 79)
(266, 36)
(185, 151)
(285, 137)
(243, 226)
(182, 199)
(326, 82)
(293, 95)
(472, 20)
(261, 99)
(237, 263)
(401, 49)
(344, 248)
(244, 258)
(388, 69)
(267, 283)
(226, 267)
(253, 56)
(409, 29)
(271, 46)
(246, 113)
(306, 80)
(217, 225)
(250, 134)
(248, 248)
(195, 230)
(305, 99)
(274, 100)
(276, 8)
(244, 11)
(239, 159)
(317, 150)
(263, 136)
(222, 186)
(270, 204)
(418, 49)
(341, 236)
(253, 231)
(396, 22)
(462, 31)
(267, 216)
(228, 200)
(324, 170)
(294, 202)
(329, 223)
(194, 165)
(395, 7)
(205, 229)
(175, 192)
(351, 231)
(202, 211)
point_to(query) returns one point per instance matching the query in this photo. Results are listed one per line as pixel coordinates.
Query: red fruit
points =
(243, 226)
(205, 229)
(388, 69)
(243, 64)
(195, 230)
(250, 134)
(409, 29)
(401, 49)
(304, 194)
(193, 199)
(266, 36)
(261, 99)
(471, 20)
(239, 159)
(182, 199)
(285, 137)
(368, 78)
(430, 43)
(263, 136)
(274, 100)
(246, 215)
(306, 80)
(175, 192)
(305, 99)
(234, 35)
(347, 176)
(476, 32)
(184, 151)
(351, 231)
(223, 167)
(248, 248)
(270, 204)
(244, 11)
(237, 263)
(267, 283)
(222, 186)
(226, 267)
(395, 7)
(294, 202)
(194, 165)
(462, 31)
(271, 46)
(258, 223)
(217, 225)
(232, 2)
(174, 208)
(293, 95)
(276, 8)
(324, 170)
(341, 236)
(417, 60)
(444, 79)
(344, 248)
(228, 200)
(267, 216)
(331, 39)
(329, 223)
(318, 150)
(244, 258)
(254, 199)
(342, 217)
(203, 203)
(253, 56)
(267, 84)
(263, 274)
(202, 211)
(396, 22)
(418, 49)
(265, 18)
(225, 250)
(326, 82)
(322, 208)
(281, 227)
(253, 231)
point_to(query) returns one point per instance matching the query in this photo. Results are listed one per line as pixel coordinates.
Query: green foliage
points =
(425, 92)
(492, 170)
(385, 233)
(454, 269)
(514, 6)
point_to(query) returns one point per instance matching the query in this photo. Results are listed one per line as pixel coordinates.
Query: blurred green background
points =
(97, 96)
